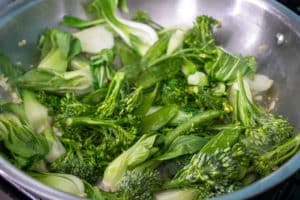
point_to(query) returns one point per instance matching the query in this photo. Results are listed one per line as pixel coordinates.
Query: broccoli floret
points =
(219, 162)
(122, 136)
(170, 168)
(131, 101)
(175, 91)
(205, 99)
(96, 137)
(70, 106)
(52, 102)
(137, 185)
(265, 130)
(270, 161)
(111, 101)
(271, 131)
(201, 35)
(78, 161)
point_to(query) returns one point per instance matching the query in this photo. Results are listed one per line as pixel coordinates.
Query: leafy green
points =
(158, 119)
(182, 145)
(25, 145)
(209, 165)
(144, 148)
(144, 17)
(158, 72)
(149, 113)
(137, 35)
(226, 66)
(101, 66)
(266, 130)
(269, 161)
(64, 182)
(86, 76)
(75, 22)
(57, 49)
(195, 121)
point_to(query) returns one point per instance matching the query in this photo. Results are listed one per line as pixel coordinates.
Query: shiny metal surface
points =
(250, 27)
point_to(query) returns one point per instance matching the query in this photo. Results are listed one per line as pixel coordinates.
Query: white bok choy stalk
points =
(63, 182)
(95, 39)
(137, 35)
(37, 116)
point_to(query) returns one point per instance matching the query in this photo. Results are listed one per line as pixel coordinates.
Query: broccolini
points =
(159, 113)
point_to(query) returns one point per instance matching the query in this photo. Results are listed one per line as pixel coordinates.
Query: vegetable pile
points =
(142, 111)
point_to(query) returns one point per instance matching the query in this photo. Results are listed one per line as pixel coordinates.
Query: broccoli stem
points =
(75, 22)
(269, 161)
(90, 121)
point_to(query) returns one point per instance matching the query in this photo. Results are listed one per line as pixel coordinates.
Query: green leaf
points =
(76, 22)
(126, 54)
(182, 145)
(158, 49)
(223, 140)
(95, 97)
(158, 72)
(197, 120)
(147, 102)
(57, 49)
(102, 68)
(225, 66)
(158, 119)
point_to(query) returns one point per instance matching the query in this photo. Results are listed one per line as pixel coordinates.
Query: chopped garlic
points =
(22, 43)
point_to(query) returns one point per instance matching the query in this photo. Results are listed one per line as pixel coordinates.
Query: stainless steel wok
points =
(258, 27)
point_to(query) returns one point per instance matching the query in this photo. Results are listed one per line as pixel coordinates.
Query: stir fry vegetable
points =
(128, 110)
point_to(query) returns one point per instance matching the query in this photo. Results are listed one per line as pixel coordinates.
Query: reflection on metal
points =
(280, 38)
(187, 9)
